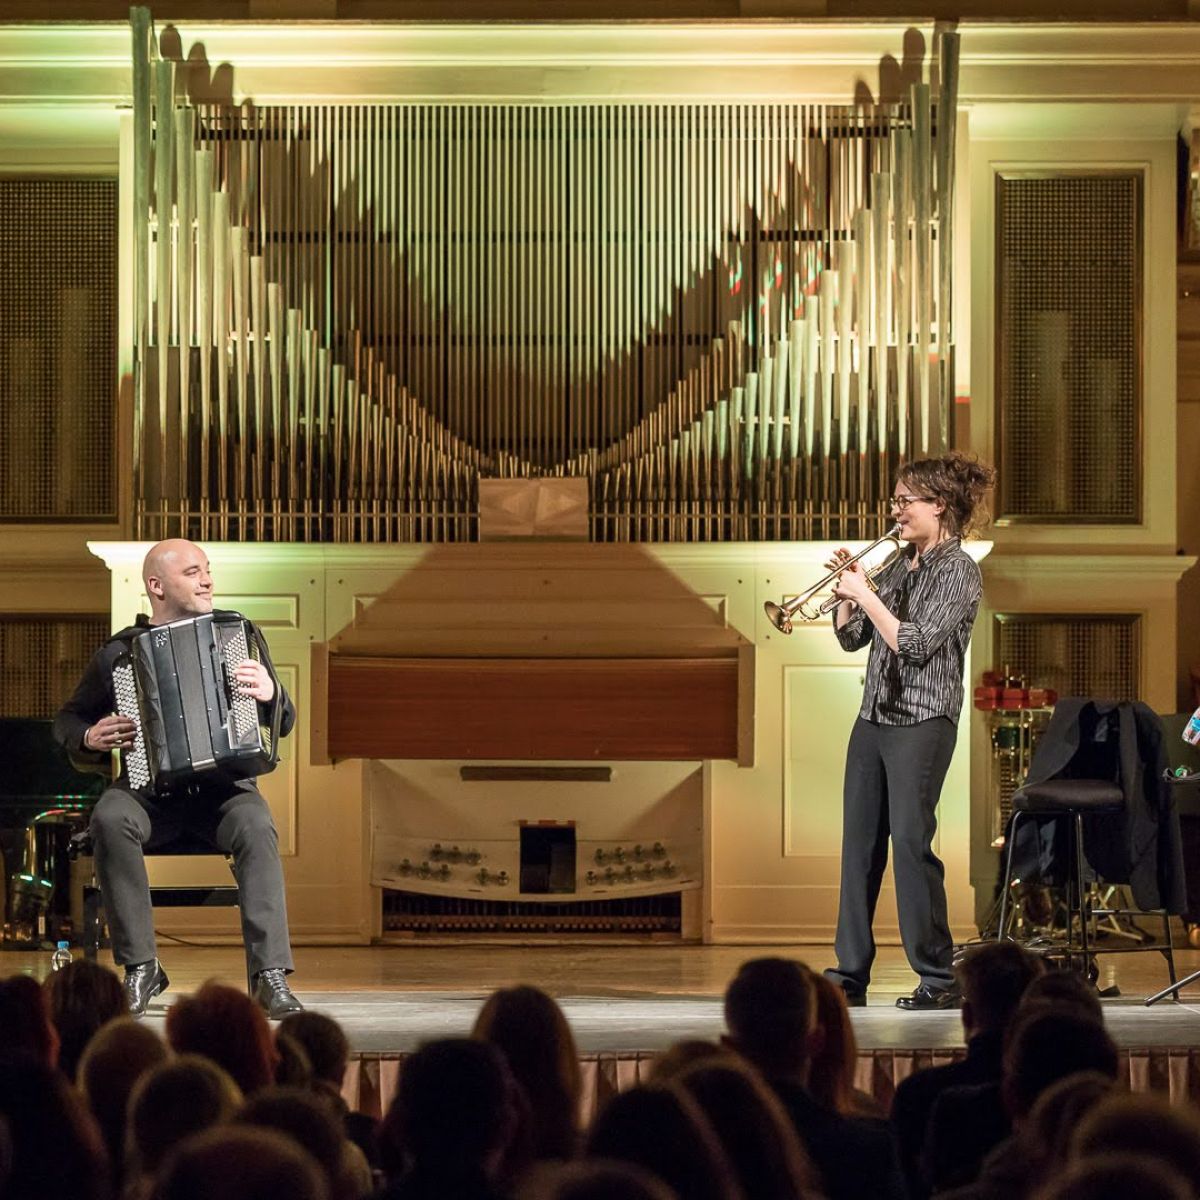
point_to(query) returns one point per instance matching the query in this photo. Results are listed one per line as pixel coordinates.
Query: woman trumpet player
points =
(918, 623)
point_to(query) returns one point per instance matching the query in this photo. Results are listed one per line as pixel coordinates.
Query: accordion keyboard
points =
(136, 765)
(243, 709)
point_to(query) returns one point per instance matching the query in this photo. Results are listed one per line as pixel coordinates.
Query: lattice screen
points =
(1068, 347)
(1076, 655)
(58, 326)
(42, 659)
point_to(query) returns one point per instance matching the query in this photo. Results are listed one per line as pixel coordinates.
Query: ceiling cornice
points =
(88, 64)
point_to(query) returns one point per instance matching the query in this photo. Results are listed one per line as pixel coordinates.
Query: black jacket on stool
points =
(1121, 742)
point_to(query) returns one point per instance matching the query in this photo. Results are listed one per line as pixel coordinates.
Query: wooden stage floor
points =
(620, 999)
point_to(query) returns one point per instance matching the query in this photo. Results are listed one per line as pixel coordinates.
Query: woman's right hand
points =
(841, 556)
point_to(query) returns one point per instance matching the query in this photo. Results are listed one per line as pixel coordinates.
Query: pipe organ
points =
(732, 320)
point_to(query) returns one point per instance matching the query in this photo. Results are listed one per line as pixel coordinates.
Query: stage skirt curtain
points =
(371, 1079)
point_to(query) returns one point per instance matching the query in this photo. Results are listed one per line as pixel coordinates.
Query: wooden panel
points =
(1187, 328)
(649, 709)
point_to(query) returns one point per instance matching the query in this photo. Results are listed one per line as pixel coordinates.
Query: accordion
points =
(177, 684)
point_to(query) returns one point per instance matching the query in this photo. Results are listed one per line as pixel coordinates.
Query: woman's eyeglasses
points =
(900, 503)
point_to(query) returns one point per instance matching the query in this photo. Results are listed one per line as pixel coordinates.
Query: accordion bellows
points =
(176, 683)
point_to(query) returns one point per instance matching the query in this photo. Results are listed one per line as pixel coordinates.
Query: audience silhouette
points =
(771, 1015)
(97, 1106)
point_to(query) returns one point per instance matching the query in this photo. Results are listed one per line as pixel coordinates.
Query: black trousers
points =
(231, 817)
(894, 776)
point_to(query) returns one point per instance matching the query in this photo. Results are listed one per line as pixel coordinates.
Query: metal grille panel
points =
(42, 659)
(1075, 654)
(58, 266)
(1068, 341)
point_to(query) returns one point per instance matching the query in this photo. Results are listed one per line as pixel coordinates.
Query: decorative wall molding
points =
(1159, 568)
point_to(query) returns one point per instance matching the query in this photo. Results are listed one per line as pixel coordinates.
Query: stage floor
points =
(620, 999)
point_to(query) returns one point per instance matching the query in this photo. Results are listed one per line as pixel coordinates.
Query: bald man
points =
(229, 814)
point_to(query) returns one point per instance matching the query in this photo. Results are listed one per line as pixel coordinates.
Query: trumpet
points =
(804, 608)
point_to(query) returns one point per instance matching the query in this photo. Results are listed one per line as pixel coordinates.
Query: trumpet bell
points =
(782, 616)
(778, 616)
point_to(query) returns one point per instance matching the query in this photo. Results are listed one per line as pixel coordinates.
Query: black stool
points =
(1075, 799)
(161, 896)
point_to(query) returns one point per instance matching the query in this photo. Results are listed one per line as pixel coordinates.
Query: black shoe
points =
(273, 994)
(855, 999)
(926, 998)
(142, 983)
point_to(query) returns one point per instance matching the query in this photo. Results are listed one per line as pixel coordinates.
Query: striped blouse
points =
(936, 603)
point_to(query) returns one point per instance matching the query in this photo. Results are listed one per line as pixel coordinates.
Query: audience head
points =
(752, 1127)
(292, 1068)
(993, 978)
(454, 1110)
(1063, 990)
(57, 1151)
(530, 1030)
(600, 1179)
(82, 997)
(6, 1156)
(324, 1042)
(770, 1012)
(180, 1097)
(835, 1050)
(673, 1061)
(1144, 1125)
(1045, 1137)
(1117, 1177)
(115, 1059)
(241, 1163)
(310, 1123)
(1045, 1045)
(25, 1025)
(225, 1025)
(664, 1130)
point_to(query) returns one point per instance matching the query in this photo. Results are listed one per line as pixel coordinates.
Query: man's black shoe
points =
(142, 983)
(926, 998)
(273, 994)
(855, 999)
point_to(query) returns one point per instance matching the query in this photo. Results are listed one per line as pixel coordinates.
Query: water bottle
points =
(1191, 733)
(62, 956)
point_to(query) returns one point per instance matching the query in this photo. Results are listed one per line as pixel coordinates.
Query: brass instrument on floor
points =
(803, 608)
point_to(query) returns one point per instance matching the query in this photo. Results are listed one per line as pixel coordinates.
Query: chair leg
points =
(1001, 932)
(1168, 947)
(1080, 895)
(93, 922)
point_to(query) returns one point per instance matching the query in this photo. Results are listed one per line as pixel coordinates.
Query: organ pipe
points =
(733, 320)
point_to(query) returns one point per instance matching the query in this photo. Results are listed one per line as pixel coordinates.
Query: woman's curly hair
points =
(959, 482)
